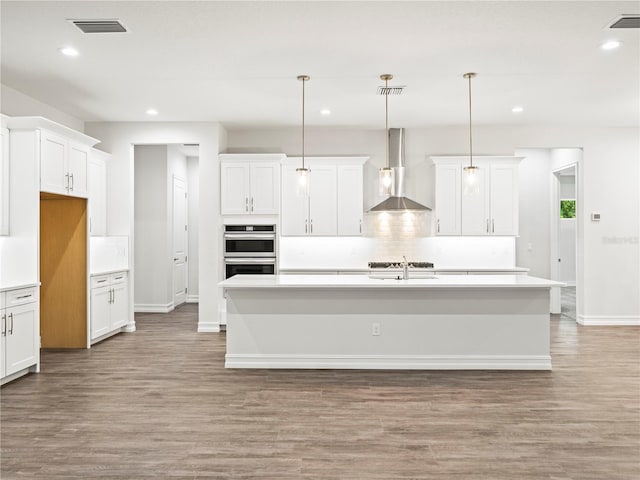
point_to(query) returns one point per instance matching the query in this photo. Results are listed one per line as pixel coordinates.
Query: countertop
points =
(106, 272)
(364, 281)
(17, 287)
(366, 270)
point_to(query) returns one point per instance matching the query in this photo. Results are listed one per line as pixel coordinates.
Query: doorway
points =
(564, 239)
(165, 226)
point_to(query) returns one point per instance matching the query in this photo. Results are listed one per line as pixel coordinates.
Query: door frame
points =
(186, 241)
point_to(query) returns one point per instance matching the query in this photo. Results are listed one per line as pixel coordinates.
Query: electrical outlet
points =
(375, 329)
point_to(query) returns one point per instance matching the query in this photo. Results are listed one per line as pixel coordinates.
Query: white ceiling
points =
(237, 62)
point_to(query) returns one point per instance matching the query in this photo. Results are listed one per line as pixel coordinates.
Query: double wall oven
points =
(249, 249)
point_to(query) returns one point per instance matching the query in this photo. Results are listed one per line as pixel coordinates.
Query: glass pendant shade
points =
(386, 182)
(471, 182)
(302, 185)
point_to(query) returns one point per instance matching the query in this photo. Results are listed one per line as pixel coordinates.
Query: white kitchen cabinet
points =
(19, 346)
(334, 206)
(448, 199)
(4, 178)
(492, 209)
(350, 200)
(97, 174)
(250, 184)
(63, 165)
(109, 304)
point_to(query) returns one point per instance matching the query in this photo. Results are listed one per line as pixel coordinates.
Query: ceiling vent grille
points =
(626, 21)
(391, 90)
(99, 26)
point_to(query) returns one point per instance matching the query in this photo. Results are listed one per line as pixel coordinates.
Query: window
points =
(567, 209)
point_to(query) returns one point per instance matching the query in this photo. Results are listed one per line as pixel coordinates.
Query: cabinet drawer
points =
(118, 277)
(21, 296)
(99, 281)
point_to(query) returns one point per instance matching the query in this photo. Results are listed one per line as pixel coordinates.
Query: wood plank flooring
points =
(158, 403)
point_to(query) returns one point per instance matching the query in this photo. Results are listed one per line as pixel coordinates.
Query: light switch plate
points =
(595, 216)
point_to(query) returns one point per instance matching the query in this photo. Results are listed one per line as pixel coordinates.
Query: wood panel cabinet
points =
(489, 208)
(19, 345)
(250, 184)
(334, 206)
(109, 304)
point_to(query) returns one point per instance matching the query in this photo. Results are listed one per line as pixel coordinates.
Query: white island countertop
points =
(365, 281)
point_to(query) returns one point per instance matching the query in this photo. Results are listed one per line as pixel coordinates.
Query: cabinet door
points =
(323, 200)
(97, 197)
(504, 199)
(100, 309)
(119, 310)
(77, 170)
(475, 202)
(350, 200)
(21, 339)
(54, 177)
(294, 214)
(265, 187)
(4, 181)
(234, 188)
(448, 199)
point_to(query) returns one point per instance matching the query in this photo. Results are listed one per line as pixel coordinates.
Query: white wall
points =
(118, 138)
(153, 277)
(17, 104)
(193, 184)
(608, 251)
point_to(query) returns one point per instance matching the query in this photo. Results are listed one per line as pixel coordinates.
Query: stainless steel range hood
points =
(398, 202)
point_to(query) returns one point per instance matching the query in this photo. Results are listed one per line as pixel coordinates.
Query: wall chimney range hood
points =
(398, 202)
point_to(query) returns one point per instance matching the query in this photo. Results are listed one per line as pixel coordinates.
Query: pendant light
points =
(386, 176)
(470, 178)
(302, 188)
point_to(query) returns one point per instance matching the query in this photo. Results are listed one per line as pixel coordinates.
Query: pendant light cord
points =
(303, 81)
(386, 120)
(469, 76)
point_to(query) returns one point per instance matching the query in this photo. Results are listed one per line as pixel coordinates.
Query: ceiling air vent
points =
(626, 21)
(99, 26)
(391, 90)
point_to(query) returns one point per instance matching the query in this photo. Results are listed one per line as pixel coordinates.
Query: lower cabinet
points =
(109, 303)
(20, 345)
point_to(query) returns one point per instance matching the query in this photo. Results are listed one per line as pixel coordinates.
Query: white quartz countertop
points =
(364, 281)
(367, 269)
(6, 288)
(106, 272)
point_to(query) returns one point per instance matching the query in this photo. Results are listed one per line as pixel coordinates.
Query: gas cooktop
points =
(399, 265)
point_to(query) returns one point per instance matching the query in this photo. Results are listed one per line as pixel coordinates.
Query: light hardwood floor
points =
(158, 403)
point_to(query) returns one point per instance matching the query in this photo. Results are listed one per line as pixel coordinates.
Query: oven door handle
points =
(264, 261)
(251, 236)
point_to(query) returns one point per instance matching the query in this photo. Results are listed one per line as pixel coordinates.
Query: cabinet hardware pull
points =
(11, 318)
(72, 182)
(493, 225)
(118, 278)
(252, 204)
(4, 324)
(246, 204)
(360, 225)
(487, 225)
(305, 226)
(438, 225)
(101, 281)
(67, 185)
(311, 226)
(24, 296)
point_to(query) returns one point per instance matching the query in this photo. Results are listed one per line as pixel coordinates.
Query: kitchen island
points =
(354, 321)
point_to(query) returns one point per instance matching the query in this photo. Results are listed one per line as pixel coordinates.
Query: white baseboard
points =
(192, 298)
(607, 320)
(208, 327)
(153, 308)
(391, 362)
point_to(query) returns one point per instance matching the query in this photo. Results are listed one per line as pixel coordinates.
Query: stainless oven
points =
(249, 249)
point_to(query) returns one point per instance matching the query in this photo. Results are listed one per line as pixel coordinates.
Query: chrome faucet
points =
(405, 268)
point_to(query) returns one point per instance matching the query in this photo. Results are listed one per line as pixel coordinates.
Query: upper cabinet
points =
(97, 177)
(487, 207)
(334, 205)
(4, 178)
(63, 165)
(250, 184)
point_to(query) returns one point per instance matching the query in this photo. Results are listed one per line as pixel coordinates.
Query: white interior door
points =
(179, 241)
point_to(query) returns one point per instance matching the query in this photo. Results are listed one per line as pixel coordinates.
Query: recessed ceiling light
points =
(517, 109)
(611, 45)
(152, 111)
(69, 51)
(325, 111)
